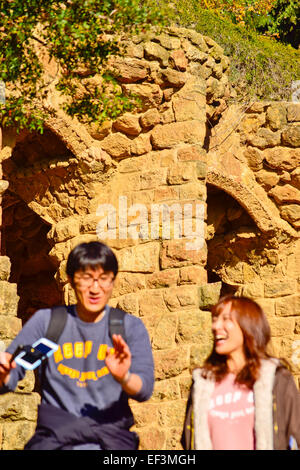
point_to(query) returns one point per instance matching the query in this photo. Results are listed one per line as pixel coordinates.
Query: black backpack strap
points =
(57, 323)
(55, 328)
(116, 322)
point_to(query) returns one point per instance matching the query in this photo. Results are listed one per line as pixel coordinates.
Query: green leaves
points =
(79, 35)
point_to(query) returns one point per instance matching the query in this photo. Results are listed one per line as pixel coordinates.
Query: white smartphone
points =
(33, 357)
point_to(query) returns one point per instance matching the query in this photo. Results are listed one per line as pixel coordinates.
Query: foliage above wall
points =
(74, 38)
(261, 66)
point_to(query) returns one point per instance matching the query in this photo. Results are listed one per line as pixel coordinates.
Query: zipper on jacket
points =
(275, 415)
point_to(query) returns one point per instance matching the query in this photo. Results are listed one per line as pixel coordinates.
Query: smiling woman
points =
(242, 398)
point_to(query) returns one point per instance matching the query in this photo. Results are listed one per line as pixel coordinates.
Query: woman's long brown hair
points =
(257, 334)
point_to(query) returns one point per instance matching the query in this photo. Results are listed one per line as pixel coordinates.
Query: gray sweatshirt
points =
(76, 378)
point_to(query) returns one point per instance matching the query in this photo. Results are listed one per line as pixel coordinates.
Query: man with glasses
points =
(87, 382)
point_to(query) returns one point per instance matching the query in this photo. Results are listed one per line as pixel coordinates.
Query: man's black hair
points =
(91, 255)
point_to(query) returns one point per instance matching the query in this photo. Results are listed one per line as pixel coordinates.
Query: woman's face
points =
(228, 336)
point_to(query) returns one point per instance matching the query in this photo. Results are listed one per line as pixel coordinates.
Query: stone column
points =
(18, 410)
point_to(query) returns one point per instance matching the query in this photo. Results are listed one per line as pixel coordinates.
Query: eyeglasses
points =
(85, 280)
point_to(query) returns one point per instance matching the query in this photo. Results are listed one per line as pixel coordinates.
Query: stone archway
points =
(235, 243)
(24, 241)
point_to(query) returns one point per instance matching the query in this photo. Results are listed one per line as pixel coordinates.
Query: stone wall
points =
(186, 152)
(256, 160)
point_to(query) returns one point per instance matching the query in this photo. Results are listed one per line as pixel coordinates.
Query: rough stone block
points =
(165, 278)
(193, 275)
(143, 258)
(280, 287)
(282, 158)
(127, 283)
(14, 407)
(265, 138)
(8, 298)
(192, 153)
(196, 191)
(288, 306)
(129, 70)
(141, 145)
(194, 326)
(175, 253)
(297, 326)
(254, 157)
(150, 119)
(251, 123)
(181, 297)
(291, 212)
(254, 289)
(267, 179)
(285, 194)
(170, 135)
(201, 170)
(168, 193)
(128, 124)
(129, 303)
(293, 112)
(282, 326)
(59, 252)
(151, 302)
(199, 352)
(185, 386)
(276, 116)
(288, 348)
(166, 390)
(161, 340)
(153, 178)
(181, 173)
(167, 41)
(16, 435)
(117, 145)
(170, 363)
(268, 306)
(178, 60)
(27, 384)
(172, 414)
(152, 437)
(154, 51)
(145, 415)
(172, 78)
(215, 89)
(149, 94)
(5, 266)
(291, 136)
(193, 53)
(189, 106)
(9, 326)
(65, 229)
(209, 295)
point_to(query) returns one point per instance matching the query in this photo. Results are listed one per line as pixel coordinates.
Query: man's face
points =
(93, 289)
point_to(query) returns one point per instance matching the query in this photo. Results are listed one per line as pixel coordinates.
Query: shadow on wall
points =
(237, 249)
(24, 232)
(24, 240)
